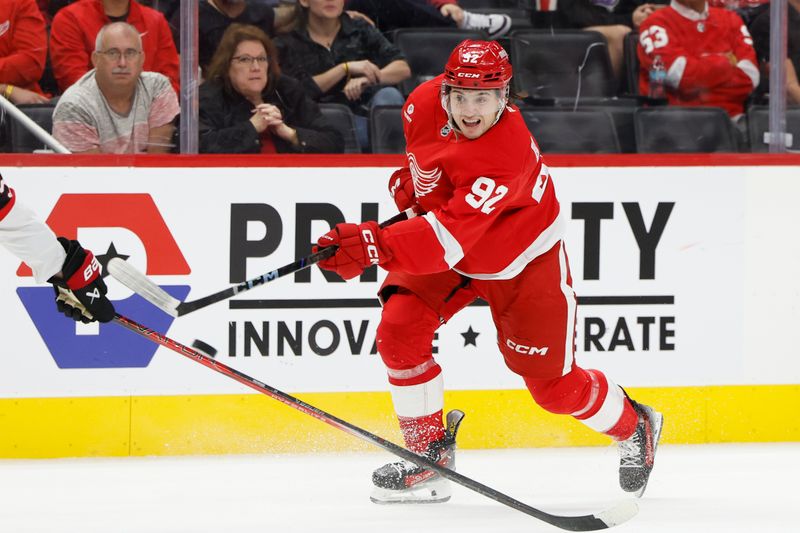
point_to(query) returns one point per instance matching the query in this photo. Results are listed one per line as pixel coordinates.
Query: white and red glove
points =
(359, 248)
(401, 187)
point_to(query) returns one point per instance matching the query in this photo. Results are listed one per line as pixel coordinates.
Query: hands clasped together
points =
(269, 116)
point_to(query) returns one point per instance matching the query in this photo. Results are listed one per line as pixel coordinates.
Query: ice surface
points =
(707, 488)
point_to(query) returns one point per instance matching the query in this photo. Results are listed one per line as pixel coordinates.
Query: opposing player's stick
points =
(139, 283)
(602, 520)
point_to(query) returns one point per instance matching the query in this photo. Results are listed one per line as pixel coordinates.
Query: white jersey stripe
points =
(544, 242)
(452, 248)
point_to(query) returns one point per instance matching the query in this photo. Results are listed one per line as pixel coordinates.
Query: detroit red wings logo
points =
(424, 180)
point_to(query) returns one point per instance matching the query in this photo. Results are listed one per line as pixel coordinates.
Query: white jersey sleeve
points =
(28, 238)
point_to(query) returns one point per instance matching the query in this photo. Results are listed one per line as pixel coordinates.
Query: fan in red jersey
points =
(707, 53)
(73, 272)
(493, 229)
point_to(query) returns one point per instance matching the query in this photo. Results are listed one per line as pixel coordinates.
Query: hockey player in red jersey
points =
(493, 229)
(74, 272)
(707, 52)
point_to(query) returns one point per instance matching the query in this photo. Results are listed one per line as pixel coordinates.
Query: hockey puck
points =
(205, 348)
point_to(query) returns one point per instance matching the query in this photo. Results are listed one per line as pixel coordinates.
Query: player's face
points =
(474, 110)
(249, 68)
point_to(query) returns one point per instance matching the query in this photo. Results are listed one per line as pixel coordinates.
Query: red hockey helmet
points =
(478, 65)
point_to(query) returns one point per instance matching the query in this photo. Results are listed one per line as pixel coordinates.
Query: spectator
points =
(390, 15)
(707, 53)
(214, 17)
(75, 27)
(23, 51)
(117, 108)
(613, 19)
(343, 60)
(760, 30)
(247, 106)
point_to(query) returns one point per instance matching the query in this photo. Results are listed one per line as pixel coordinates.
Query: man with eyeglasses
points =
(75, 28)
(116, 107)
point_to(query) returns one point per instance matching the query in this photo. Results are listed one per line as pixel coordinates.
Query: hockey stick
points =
(139, 283)
(602, 520)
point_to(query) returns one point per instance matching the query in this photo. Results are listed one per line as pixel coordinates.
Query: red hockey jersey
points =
(490, 202)
(709, 56)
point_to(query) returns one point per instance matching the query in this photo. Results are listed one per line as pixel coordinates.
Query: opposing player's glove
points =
(80, 291)
(401, 187)
(359, 247)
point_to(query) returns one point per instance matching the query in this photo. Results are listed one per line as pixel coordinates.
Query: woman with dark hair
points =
(247, 106)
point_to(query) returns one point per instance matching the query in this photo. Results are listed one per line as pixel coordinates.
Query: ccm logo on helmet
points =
(372, 249)
(526, 350)
(468, 75)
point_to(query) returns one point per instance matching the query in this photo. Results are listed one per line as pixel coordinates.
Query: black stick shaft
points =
(570, 523)
(291, 268)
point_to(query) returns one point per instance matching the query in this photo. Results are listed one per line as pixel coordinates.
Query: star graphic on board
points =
(470, 337)
(103, 259)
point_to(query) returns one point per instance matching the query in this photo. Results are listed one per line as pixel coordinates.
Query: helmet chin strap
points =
(503, 103)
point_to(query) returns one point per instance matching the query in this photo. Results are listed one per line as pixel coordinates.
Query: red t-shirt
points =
(491, 205)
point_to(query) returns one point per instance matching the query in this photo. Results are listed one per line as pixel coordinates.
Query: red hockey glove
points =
(401, 187)
(81, 291)
(358, 249)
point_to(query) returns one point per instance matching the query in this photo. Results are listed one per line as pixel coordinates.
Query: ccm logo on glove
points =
(359, 247)
(372, 250)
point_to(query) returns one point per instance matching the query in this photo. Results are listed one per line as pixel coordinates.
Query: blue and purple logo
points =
(131, 217)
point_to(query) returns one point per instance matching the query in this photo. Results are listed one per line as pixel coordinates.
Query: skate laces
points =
(630, 451)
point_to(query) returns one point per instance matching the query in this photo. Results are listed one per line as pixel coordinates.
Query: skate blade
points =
(435, 490)
(659, 423)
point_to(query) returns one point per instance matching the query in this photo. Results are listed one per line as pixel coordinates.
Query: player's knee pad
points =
(405, 333)
(567, 394)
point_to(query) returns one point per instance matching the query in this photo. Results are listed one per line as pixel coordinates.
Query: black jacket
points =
(303, 58)
(225, 126)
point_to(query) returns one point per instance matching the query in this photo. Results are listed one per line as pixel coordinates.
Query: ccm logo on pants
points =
(526, 350)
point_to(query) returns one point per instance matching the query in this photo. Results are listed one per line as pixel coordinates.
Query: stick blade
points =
(619, 514)
(127, 274)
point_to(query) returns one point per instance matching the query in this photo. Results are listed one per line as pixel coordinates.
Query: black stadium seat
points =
(427, 50)
(621, 110)
(572, 132)
(565, 64)
(630, 61)
(386, 130)
(23, 141)
(342, 119)
(758, 125)
(683, 130)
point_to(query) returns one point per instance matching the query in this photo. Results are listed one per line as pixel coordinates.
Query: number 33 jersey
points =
(490, 202)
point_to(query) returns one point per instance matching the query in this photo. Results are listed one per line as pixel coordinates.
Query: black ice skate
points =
(637, 453)
(405, 482)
